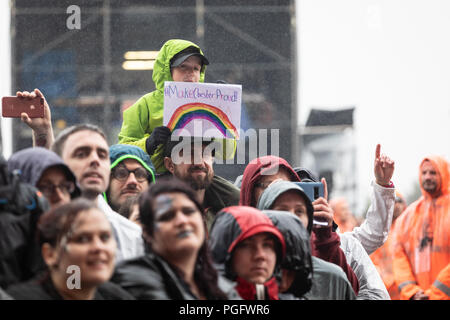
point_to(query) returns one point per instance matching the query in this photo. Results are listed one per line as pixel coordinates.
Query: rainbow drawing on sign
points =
(192, 111)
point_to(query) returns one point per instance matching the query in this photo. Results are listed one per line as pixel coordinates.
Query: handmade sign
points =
(209, 110)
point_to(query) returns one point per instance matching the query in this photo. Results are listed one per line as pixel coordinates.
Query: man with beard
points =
(131, 173)
(191, 160)
(422, 241)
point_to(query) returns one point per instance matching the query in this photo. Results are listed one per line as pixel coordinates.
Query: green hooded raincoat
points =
(144, 115)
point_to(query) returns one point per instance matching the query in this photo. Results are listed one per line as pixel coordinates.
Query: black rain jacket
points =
(21, 205)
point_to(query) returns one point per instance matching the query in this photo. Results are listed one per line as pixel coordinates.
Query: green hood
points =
(146, 114)
(161, 69)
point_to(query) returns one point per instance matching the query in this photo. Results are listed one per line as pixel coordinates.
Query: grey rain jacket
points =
(298, 250)
(329, 282)
(325, 280)
(371, 286)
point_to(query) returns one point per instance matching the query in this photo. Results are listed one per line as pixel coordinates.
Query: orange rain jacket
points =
(422, 238)
(440, 289)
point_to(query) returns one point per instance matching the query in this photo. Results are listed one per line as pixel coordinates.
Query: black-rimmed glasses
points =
(121, 173)
(49, 189)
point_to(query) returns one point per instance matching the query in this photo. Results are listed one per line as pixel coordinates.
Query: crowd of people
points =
(82, 220)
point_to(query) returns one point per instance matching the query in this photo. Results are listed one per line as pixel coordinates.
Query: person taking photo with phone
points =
(262, 171)
(340, 249)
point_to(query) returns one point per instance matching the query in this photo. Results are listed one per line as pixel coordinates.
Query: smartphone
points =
(12, 107)
(313, 190)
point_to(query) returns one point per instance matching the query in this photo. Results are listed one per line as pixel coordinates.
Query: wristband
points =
(389, 185)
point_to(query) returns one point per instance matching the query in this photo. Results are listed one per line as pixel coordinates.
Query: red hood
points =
(253, 171)
(235, 224)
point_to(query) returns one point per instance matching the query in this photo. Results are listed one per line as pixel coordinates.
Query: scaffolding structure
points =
(80, 71)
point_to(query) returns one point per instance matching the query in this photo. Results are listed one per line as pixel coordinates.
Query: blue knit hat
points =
(120, 152)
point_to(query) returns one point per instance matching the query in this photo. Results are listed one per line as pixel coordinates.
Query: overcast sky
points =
(391, 60)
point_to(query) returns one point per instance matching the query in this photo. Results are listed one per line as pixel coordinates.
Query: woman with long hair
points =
(178, 264)
(78, 247)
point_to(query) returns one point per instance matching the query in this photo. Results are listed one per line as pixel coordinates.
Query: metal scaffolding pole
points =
(107, 107)
(295, 139)
(200, 22)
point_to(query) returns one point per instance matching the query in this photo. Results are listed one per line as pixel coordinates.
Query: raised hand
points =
(322, 209)
(383, 168)
(42, 127)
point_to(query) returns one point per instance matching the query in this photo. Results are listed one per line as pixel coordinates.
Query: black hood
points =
(32, 162)
(298, 249)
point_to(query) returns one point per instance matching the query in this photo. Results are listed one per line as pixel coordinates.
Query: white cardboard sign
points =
(197, 109)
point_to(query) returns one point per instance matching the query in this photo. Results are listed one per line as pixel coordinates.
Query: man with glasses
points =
(46, 171)
(131, 173)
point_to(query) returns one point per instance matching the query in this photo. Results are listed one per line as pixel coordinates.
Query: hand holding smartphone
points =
(313, 190)
(13, 107)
